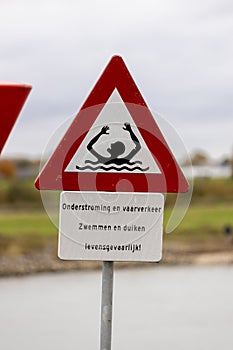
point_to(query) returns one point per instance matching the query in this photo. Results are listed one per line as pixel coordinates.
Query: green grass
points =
(203, 228)
(25, 226)
(26, 233)
(30, 233)
(198, 217)
(26, 223)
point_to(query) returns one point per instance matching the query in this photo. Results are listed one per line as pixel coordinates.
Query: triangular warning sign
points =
(115, 116)
(12, 98)
(114, 137)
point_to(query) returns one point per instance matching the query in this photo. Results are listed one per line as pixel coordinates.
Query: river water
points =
(160, 307)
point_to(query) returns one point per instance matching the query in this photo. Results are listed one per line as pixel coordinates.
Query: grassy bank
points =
(26, 230)
(199, 221)
(201, 225)
(30, 223)
(203, 220)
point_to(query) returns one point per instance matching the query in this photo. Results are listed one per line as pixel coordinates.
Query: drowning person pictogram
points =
(114, 161)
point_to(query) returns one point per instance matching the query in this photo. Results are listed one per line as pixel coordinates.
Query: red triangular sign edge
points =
(12, 98)
(171, 178)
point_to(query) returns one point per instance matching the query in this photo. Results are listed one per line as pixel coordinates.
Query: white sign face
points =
(111, 226)
(113, 144)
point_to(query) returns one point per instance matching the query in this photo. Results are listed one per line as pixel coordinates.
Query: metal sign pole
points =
(106, 306)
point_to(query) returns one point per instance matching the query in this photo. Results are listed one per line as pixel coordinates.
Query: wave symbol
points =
(101, 167)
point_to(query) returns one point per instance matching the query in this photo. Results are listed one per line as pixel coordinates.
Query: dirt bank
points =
(173, 254)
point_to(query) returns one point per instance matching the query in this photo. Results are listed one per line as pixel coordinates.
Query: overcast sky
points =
(179, 52)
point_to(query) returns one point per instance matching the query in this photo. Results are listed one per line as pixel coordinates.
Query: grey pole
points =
(106, 306)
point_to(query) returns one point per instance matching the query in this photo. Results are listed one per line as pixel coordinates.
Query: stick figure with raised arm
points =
(116, 149)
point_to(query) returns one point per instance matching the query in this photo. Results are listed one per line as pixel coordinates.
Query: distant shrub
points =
(22, 192)
(208, 191)
(213, 191)
(7, 168)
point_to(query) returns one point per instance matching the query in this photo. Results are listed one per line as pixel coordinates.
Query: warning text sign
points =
(111, 226)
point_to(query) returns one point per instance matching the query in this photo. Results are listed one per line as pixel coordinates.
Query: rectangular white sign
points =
(111, 226)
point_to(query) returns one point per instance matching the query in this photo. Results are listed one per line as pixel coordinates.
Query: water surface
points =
(178, 308)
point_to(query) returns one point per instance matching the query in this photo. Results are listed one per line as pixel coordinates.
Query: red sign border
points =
(12, 98)
(115, 76)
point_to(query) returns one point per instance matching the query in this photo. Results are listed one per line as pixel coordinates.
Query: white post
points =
(106, 306)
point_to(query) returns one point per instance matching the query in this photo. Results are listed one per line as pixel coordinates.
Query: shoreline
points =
(45, 262)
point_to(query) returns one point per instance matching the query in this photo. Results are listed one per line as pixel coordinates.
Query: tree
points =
(7, 168)
(200, 158)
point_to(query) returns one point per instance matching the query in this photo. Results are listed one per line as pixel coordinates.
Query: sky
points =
(179, 52)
